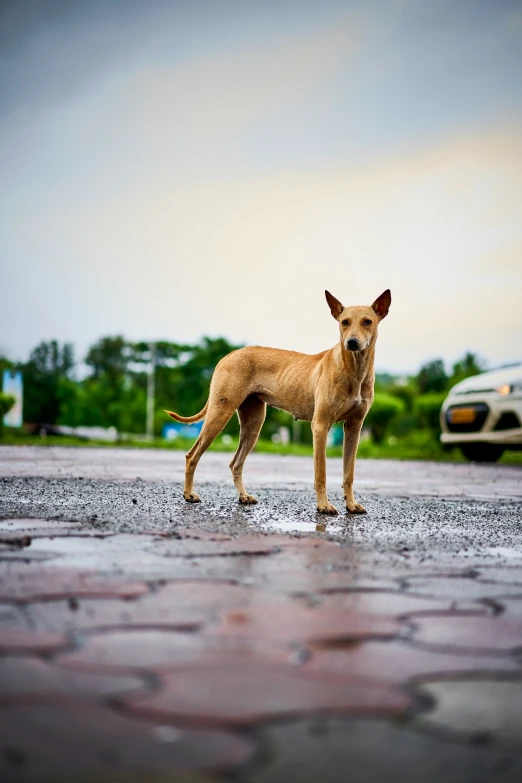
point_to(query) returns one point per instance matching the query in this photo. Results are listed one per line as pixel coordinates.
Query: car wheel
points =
(482, 452)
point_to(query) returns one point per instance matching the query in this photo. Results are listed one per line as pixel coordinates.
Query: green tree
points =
(432, 377)
(113, 395)
(470, 364)
(49, 364)
(5, 364)
(109, 358)
(183, 376)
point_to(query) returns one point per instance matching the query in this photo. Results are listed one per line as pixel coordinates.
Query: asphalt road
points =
(418, 510)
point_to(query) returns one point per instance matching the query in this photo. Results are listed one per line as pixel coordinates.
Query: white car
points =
(483, 414)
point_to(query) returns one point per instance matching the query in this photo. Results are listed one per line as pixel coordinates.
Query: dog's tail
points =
(189, 419)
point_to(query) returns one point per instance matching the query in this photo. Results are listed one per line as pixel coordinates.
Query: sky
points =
(177, 169)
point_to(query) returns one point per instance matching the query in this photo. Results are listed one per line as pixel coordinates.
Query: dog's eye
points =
(367, 322)
(346, 322)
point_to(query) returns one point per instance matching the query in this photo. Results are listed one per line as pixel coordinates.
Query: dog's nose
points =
(352, 344)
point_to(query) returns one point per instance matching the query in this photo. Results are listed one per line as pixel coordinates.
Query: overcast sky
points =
(175, 169)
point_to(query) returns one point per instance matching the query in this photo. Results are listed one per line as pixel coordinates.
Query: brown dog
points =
(328, 387)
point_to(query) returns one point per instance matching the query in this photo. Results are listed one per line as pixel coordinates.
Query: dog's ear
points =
(382, 304)
(335, 306)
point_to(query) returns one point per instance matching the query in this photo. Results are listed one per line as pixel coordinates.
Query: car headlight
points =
(507, 389)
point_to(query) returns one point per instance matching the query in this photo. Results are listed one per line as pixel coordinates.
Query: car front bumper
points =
(498, 406)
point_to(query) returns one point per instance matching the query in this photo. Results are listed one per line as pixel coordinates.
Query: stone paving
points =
(180, 653)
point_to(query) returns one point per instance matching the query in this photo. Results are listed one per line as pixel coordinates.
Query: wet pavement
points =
(145, 639)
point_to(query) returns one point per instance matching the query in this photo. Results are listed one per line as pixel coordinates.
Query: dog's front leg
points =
(352, 431)
(320, 429)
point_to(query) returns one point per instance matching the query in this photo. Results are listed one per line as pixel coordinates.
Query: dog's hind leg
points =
(219, 413)
(251, 415)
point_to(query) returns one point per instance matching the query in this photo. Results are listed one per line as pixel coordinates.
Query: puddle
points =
(506, 552)
(302, 526)
(68, 545)
(28, 525)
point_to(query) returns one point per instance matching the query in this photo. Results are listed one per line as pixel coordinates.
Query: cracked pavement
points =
(144, 639)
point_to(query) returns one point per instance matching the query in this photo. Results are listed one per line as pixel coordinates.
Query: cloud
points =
(219, 181)
(251, 257)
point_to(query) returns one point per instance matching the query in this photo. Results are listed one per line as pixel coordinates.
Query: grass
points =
(415, 446)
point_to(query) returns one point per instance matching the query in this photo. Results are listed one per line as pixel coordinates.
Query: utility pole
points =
(151, 392)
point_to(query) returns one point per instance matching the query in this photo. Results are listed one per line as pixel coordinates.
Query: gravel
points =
(415, 526)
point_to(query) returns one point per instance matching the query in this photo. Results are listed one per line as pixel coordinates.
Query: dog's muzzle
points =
(353, 344)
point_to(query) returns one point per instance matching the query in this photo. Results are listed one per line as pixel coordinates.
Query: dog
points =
(325, 388)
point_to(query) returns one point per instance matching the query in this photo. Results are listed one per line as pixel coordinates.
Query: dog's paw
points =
(191, 497)
(355, 508)
(247, 500)
(327, 508)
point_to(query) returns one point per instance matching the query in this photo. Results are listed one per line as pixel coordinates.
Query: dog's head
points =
(358, 325)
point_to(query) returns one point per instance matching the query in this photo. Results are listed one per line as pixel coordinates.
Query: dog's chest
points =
(350, 406)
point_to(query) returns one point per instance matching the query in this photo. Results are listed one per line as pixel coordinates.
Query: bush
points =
(427, 409)
(6, 403)
(384, 410)
(407, 392)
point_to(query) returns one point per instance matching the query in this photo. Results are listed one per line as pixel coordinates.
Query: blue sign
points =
(173, 430)
(12, 384)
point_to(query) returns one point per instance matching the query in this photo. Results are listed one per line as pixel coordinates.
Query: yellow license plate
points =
(462, 415)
